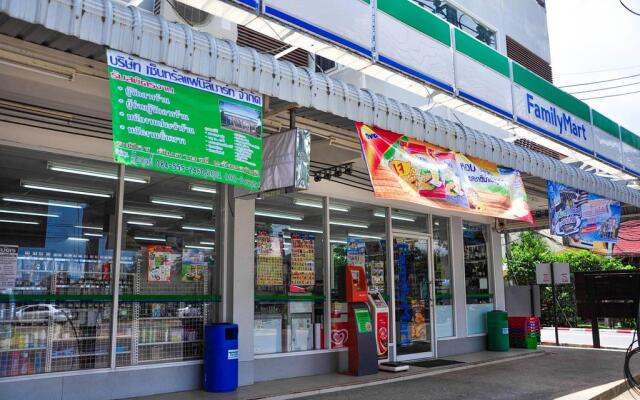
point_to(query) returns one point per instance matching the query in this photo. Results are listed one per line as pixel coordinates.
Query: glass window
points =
(57, 218)
(443, 277)
(289, 276)
(477, 276)
(358, 237)
(168, 282)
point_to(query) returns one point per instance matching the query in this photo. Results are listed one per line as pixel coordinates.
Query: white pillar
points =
(496, 262)
(459, 287)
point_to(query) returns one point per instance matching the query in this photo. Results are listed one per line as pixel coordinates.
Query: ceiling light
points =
(208, 243)
(65, 189)
(77, 239)
(51, 203)
(338, 241)
(349, 224)
(181, 203)
(95, 228)
(395, 216)
(92, 234)
(152, 213)
(149, 239)
(358, 235)
(316, 204)
(198, 228)
(35, 214)
(15, 221)
(203, 189)
(273, 214)
(80, 169)
(193, 246)
(303, 229)
(141, 223)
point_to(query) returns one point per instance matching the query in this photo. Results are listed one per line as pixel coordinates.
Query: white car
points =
(43, 311)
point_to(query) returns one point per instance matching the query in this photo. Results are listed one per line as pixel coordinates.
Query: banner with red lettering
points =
(403, 168)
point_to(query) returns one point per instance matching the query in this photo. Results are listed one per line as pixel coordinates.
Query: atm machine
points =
(363, 359)
(380, 313)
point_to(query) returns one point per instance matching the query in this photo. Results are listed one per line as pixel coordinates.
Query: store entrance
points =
(413, 279)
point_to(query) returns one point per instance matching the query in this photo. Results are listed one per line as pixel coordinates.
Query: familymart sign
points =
(171, 121)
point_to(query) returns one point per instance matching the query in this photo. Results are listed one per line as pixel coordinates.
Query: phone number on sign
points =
(185, 169)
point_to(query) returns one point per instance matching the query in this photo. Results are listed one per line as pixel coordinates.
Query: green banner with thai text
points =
(171, 121)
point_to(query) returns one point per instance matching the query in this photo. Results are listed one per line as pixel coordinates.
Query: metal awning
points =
(134, 31)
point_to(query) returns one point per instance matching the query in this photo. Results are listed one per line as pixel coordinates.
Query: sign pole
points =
(555, 299)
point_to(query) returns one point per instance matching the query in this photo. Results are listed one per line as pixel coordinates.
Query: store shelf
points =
(167, 318)
(164, 360)
(24, 321)
(73, 339)
(79, 355)
(24, 349)
(168, 343)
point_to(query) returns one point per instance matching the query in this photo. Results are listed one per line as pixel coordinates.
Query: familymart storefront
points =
(112, 269)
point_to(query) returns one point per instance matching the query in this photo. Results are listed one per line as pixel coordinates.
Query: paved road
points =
(608, 338)
(560, 372)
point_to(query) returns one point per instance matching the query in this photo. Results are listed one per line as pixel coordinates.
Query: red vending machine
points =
(363, 357)
(380, 312)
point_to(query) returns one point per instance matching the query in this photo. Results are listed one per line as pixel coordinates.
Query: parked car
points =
(43, 311)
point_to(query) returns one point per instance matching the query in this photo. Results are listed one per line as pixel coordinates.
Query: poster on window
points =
(8, 266)
(403, 168)
(194, 264)
(269, 260)
(161, 260)
(582, 216)
(356, 252)
(303, 265)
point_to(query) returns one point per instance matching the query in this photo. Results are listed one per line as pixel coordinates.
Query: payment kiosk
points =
(363, 359)
(380, 313)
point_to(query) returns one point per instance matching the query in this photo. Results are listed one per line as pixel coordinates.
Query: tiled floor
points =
(293, 387)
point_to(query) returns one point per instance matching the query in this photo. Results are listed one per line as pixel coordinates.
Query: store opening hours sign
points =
(170, 121)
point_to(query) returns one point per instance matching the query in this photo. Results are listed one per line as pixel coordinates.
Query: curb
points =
(621, 331)
(401, 378)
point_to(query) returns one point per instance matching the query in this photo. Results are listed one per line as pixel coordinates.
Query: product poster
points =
(402, 168)
(195, 263)
(303, 266)
(8, 266)
(376, 271)
(161, 259)
(269, 260)
(582, 216)
(171, 121)
(356, 252)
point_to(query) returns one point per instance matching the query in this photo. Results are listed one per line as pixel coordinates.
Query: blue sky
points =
(593, 40)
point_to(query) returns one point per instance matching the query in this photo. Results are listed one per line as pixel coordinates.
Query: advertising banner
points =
(303, 262)
(581, 215)
(402, 168)
(171, 121)
(269, 260)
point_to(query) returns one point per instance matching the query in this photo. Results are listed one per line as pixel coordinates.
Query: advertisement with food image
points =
(407, 169)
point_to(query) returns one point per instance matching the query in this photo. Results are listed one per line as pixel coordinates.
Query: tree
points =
(528, 251)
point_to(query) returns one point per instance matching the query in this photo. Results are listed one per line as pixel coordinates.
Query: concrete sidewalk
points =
(332, 383)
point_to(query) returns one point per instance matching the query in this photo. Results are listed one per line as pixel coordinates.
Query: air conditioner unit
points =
(174, 10)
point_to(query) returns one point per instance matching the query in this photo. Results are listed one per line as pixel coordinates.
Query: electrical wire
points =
(602, 81)
(611, 95)
(629, 9)
(606, 88)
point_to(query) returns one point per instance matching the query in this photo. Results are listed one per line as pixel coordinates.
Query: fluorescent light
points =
(208, 243)
(92, 234)
(53, 203)
(181, 203)
(80, 169)
(303, 229)
(64, 189)
(95, 228)
(16, 221)
(274, 214)
(286, 236)
(141, 223)
(349, 224)
(338, 241)
(395, 216)
(149, 239)
(357, 235)
(193, 246)
(316, 204)
(35, 214)
(152, 214)
(203, 189)
(198, 228)
(77, 239)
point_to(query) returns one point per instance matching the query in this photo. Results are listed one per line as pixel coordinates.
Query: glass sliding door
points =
(413, 296)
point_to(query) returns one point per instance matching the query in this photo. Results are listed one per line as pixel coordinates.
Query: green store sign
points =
(170, 121)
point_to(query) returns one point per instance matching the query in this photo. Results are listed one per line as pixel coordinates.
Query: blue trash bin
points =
(221, 357)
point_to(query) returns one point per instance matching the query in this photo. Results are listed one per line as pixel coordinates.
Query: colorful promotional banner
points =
(170, 121)
(269, 260)
(303, 262)
(403, 168)
(582, 216)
